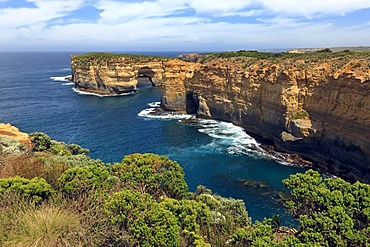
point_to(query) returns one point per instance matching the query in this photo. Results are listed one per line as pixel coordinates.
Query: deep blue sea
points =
(218, 155)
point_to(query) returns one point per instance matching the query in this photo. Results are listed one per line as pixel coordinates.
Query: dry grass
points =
(57, 222)
(29, 166)
(23, 165)
(48, 225)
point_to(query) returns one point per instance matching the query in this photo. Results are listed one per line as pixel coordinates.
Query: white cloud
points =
(44, 11)
(219, 7)
(172, 25)
(116, 12)
(310, 8)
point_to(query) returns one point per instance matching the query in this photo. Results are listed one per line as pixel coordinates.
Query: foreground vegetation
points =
(55, 195)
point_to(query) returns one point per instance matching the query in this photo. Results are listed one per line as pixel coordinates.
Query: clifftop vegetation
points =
(323, 54)
(95, 58)
(55, 195)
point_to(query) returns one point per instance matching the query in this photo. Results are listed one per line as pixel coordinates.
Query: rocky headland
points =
(11, 134)
(106, 73)
(316, 105)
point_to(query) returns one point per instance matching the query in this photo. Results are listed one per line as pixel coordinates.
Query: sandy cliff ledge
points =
(7, 130)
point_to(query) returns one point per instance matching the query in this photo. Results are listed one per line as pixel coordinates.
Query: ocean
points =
(35, 97)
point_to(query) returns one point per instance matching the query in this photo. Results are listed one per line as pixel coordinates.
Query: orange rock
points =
(14, 133)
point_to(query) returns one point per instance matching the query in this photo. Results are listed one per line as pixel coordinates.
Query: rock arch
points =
(145, 75)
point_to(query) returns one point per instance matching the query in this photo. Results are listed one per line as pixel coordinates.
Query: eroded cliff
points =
(314, 105)
(319, 108)
(106, 73)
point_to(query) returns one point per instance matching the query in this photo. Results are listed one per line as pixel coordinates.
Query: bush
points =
(153, 174)
(301, 115)
(77, 150)
(146, 222)
(192, 215)
(59, 148)
(331, 211)
(10, 146)
(79, 180)
(260, 234)
(36, 189)
(228, 213)
(41, 141)
(193, 218)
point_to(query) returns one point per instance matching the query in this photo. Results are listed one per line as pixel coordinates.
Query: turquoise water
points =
(216, 154)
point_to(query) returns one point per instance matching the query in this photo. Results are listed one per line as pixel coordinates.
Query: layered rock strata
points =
(9, 131)
(117, 74)
(318, 107)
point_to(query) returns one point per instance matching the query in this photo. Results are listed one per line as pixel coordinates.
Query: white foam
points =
(68, 83)
(227, 137)
(66, 69)
(234, 139)
(99, 95)
(150, 113)
(154, 104)
(61, 78)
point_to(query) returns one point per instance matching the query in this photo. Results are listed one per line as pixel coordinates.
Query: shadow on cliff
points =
(145, 77)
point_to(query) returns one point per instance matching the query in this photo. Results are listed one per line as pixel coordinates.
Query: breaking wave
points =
(155, 112)
(61, 78)
(226, 137)
(99, 95)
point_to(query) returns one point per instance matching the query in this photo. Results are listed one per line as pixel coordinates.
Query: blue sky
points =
(181, 25)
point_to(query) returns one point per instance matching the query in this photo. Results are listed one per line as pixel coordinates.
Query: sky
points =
(181, 25)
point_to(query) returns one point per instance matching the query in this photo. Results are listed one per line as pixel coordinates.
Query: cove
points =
(215, 154)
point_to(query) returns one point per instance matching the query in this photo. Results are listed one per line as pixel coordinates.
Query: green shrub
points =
(41, 141)
(260, 234)
(301, 115)
(11, 146)
(193, 218)
(80, 180)
(71, 161)
(36, 189)
(227, 213)
(76, 149)
(194, 239)
(192, 215)
(153, 174)
(146, 222)
(59, 148)
(331, 211)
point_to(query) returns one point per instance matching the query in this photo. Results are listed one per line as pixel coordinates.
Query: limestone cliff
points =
(319, 108)
(13, 141)
(116, 74)
(314, 105)
(7, 130)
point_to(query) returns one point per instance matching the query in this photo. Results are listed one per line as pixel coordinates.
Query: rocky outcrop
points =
(317, 108)
(116, 74)
(12, 141)
(9, 131)
(315, 105)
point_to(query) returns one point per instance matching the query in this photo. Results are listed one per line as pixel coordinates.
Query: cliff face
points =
(114, 74)
(12, 141)
(117, 74)
(319, 109)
